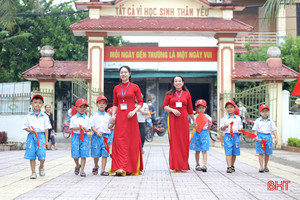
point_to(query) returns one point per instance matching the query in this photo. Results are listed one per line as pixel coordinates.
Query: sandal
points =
(261, 170)
(266, 169)
(82, 174)
(198, 168)
(104, 173)
(232, 169)
(95, 171)
(204, 169)
(76, 171)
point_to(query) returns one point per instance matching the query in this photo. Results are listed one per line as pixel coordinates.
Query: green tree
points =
(272, 7)
(19, 49)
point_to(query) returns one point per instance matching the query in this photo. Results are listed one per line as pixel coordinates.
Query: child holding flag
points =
(263, 126)
(200, 138)
(231, 124)
(37, 124)
(80, 125)
(102, 135)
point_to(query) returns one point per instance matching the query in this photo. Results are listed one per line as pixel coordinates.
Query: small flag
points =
(37, 138)
(81, 133)
(106, 144)
(201, 120)
(296, 90)
(250, 135)
(263, 144)
(231, 130)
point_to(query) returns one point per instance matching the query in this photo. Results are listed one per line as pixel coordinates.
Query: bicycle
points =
(66, 130)
(148, 132)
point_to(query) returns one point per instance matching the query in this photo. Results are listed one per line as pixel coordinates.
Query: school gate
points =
(188, 18)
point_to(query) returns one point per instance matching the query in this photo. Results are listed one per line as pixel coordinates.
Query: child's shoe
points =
(232, 169)
(266, 169)
(33, 176)
(82, 174)
(261, 170)
(76, 171)
(229, 170)
(204, 168)
(42, 172)
(95, 171)
(198, 168)
(104, 173)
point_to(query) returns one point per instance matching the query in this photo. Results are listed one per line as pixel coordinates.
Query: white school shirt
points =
(142, 118)
(237, 123)
(264, 126)
(40, 123)
(101, 121)
(82, 120)
(207, 123)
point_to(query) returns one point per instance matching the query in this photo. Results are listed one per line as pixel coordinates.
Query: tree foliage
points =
(272, 7)
(20, 48)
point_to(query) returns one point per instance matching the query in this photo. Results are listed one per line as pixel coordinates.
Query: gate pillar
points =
(225, 67)
(96, 59)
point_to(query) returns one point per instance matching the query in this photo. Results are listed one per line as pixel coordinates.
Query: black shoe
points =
(261, 170)
(232, 169)
(229, 170)
(204, 169)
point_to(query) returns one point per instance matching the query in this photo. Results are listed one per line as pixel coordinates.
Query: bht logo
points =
(274, 185)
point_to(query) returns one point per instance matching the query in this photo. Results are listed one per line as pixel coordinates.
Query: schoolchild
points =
(100, 124)
(200, 141)
(231, 124)
(80, 125)
(37, 124)
(263, 127)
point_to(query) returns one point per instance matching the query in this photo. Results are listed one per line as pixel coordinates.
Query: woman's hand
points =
(194, 124)
(176, 112)
(112, 120)
(131, 114)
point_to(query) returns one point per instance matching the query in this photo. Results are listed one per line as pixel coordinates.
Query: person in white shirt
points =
(142, 115)
(37, 124)
(80, 125)
(100, 123)
(231, 136)
(263, 127)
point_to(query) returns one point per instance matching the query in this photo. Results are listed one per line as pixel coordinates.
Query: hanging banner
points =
(160, 54)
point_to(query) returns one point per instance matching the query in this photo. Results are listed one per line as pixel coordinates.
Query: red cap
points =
(81, 102)
(109, 110)
(102, 98)
(201, 102)
(264, 106)
(37, 96)
(230, 102)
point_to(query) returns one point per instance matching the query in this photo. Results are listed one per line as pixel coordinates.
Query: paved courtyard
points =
(157, 181)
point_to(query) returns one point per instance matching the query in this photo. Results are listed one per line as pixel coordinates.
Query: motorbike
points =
(159, 126)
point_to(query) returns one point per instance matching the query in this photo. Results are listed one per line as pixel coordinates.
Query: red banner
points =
(160, 54)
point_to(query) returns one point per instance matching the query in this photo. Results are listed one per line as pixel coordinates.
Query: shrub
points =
(3, 137)
(295, 142)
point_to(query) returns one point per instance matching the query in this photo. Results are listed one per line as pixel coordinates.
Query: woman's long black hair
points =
(128, 69)
(173, 89)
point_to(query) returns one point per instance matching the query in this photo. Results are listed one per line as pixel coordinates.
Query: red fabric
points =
(237, 111)
(74, 110)
(263, 144)
(201, 120)
(81, 133)
(296, 90)
(127, 145)
(179, 131)
(37, 138)
(250, 135)
(231, 131)
(72, 133)
(105, 143)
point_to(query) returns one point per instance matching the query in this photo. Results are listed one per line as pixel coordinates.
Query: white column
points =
(281, 25)
(225, 67)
